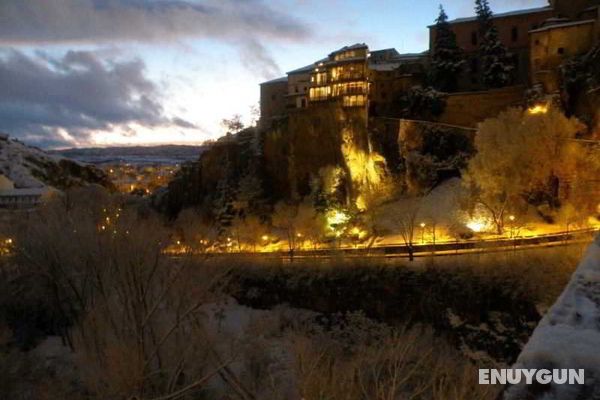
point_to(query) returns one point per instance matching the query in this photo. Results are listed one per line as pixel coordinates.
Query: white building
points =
(19, 198)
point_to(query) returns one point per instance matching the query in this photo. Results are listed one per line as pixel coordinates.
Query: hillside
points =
(31, 167)
(163, 154)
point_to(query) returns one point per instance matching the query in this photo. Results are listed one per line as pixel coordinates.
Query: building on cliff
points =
(513, 28)
(573, 31)
(539, 40)
(352, 78)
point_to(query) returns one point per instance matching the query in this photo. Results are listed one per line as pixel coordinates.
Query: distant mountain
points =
(164, 154)
(30, 167)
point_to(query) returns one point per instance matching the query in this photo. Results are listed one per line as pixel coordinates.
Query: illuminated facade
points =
(342, 77)
(352, 77)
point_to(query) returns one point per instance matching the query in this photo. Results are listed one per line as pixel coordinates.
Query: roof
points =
(378, 63)
(412, 56)
(354, 46)
(391, 51)
(563, 25)
(307, 68)
(502, 15)
(24, 192)
(277, 80)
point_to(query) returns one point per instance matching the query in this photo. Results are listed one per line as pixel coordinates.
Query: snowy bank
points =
(568, 337)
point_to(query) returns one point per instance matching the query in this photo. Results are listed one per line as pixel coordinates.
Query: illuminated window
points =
(354, 101)
(320, 78)
(319, 93)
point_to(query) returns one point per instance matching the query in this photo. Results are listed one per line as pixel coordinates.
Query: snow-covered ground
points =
(17, 162)
(568, 337)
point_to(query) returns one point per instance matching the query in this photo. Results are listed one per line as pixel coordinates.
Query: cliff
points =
(286, 162)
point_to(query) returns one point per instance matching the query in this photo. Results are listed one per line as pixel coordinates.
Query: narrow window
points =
(514, 33)
(474, 38)
(561, 50)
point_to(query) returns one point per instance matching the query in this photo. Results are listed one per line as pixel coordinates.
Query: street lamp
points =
(512, 218)
(423, 232)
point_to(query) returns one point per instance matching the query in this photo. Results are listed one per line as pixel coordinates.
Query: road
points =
(458, 247)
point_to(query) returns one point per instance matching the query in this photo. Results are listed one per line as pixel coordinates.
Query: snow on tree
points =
(497, 65)
(526, 158)
(484, 15)
(447, 60)
(406, 219)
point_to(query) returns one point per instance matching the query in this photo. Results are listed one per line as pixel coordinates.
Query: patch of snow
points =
(568, 336)
(18, 160)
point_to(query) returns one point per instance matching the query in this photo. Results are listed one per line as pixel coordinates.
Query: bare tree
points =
(285, 219)
(248, 232)
(136, 313)
(233, 124)
(406, 218)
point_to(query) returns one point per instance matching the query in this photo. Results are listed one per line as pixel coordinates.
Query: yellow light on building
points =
(512, 217)
(422, 225)
(265, 238)
(538, 109)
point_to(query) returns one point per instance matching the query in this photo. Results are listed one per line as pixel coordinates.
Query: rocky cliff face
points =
(30, 167)
(299, 154)
(288, 159)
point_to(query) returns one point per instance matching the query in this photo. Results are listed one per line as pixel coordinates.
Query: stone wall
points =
(469, 108)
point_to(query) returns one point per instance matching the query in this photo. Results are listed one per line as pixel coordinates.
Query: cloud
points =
(47, 21)
(244, 23)
(63, 100)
